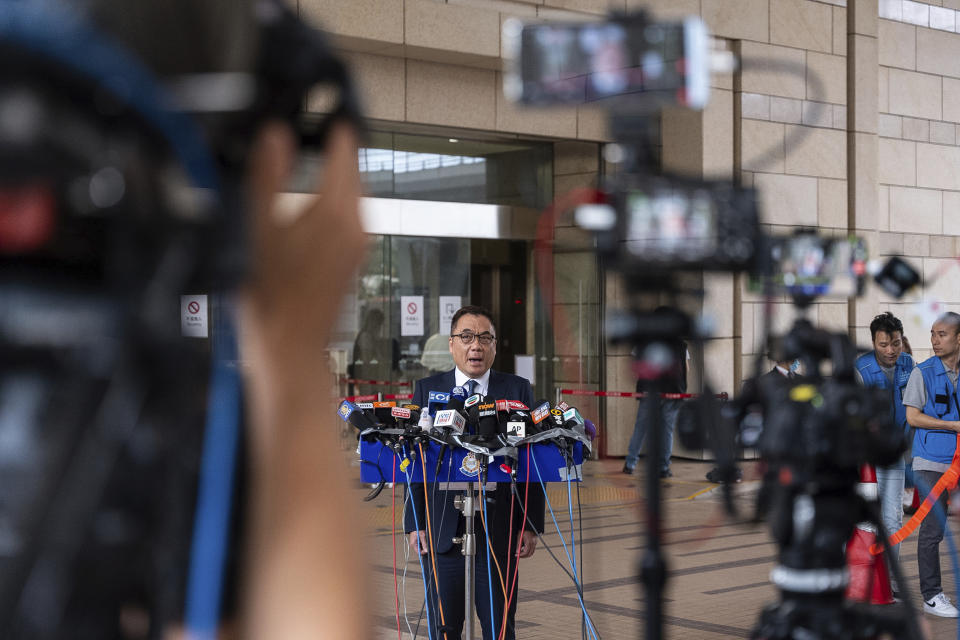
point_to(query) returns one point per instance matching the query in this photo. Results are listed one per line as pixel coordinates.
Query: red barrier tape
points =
(373, 397)
(628, 394)
(375, 382)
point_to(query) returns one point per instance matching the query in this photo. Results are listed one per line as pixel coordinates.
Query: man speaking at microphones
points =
(473, 344)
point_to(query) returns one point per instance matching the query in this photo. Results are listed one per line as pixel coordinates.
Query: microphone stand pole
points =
(653, 570)
(468, 544)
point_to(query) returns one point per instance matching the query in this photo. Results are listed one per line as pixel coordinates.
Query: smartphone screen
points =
(575, 63)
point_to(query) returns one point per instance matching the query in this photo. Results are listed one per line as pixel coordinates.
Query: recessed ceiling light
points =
(454, 140)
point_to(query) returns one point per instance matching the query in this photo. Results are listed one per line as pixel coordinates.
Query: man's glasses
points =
(467, 337)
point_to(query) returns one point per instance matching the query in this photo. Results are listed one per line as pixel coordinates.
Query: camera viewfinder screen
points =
(585, 62)
(814, 266)
(671, 224)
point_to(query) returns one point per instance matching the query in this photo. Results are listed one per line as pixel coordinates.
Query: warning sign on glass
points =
(411, 315)
(193, 316)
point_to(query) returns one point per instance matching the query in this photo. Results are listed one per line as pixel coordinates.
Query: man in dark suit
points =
(473, 344)
(782, 370)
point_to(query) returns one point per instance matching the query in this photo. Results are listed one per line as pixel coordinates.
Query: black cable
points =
(383, 481)
(377, 489)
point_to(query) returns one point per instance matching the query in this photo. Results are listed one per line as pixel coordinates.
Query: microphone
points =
(487, 425)
(415, 413)
(590, 429)
(506, 407)
(355, 416)
(383, 411)
(450, 419)
(572, 419)
(403, 417)
(518, 425)
(436, 400)
(556, 417)
(539, 413)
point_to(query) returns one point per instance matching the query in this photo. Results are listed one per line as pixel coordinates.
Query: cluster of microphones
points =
(480, 420)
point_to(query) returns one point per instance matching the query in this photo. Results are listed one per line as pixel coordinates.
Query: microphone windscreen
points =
(590, 428)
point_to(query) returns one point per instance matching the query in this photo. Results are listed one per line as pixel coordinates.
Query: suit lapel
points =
(495, 387)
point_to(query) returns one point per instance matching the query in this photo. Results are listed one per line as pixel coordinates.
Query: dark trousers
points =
(930, 535)
(450, 576)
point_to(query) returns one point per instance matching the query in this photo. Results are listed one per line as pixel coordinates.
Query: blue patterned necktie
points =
(472, 387)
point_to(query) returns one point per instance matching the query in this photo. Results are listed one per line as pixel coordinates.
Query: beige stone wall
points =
(919, 156)
(878, 156)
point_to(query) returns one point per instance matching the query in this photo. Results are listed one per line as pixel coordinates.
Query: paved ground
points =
(718, 569)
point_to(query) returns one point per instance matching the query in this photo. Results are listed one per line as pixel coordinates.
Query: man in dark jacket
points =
(473, 344)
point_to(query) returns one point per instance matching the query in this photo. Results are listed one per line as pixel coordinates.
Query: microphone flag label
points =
(438, 396)
(516, 405)
(384, 405)
(403, 414)
(516, 429)
(364, 405)
(540, 413)
(345, 410)
(450, 418)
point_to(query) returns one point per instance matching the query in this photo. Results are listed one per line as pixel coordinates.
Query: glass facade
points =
(378, 339)
(438, 168)
(392, 324)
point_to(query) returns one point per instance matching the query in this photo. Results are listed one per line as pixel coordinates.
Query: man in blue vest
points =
(932, 407)
(889, 367)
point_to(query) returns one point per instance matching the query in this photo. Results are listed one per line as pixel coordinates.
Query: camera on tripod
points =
(813, 432)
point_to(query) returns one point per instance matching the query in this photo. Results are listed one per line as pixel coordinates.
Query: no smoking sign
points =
(411, 315)
(193, 316)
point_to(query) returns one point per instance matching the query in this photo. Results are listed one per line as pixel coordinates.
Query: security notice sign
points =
(411, 315)
(193, 316)
(448, 307)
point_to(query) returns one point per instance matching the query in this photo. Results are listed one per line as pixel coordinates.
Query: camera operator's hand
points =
(305, 569)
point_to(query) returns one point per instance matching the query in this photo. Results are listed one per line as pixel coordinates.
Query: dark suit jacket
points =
(446, 521)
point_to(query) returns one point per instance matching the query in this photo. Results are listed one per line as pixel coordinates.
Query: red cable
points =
(503, 624)
(516, 568)
(393, 537)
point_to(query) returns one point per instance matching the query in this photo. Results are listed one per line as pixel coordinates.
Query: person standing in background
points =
(888, 367)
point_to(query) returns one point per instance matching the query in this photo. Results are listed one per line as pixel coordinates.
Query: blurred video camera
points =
(634, 67)
(124, 133)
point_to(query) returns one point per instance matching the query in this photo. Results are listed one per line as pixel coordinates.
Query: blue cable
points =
(576, 582)
(486, 535)
(941, 514)
(573, 538)
(208, 549)
(416, 523)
